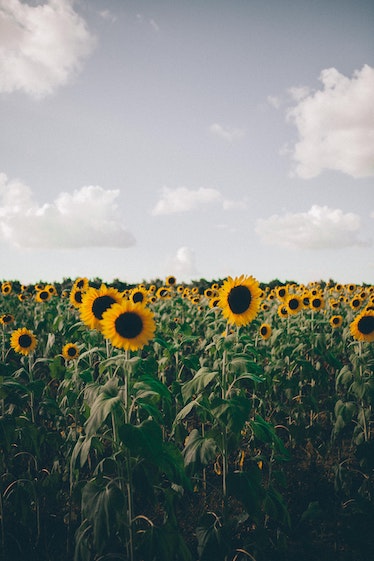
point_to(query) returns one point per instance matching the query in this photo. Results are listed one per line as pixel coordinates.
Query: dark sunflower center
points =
(7, 318)
(72, 351)
(101, 304)
(129, 325)
(138, 297)
(80, 283)
(282, 292)
(335, 321)
(78, 297)
(264, 330)
(293, 304)
(44, 295)
(24, 341)
(366, 325)
(239, 299)
(356, 303)
(316, 302)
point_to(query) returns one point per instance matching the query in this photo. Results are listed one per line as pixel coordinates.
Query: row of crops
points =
(171, 422)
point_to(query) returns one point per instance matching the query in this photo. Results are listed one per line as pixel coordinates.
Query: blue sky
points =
(200, 138)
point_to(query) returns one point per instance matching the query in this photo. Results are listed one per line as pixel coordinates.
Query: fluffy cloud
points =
(88, 217)
(319, 228)
(41, 46)
(227, 133)
(182, 199)
(336, 125)
(183, 264)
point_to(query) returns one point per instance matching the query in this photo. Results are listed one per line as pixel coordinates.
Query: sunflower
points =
(6, 287)
(163, 292)
(355, 303)
(240, 299)
(7, 319)
(70, 351)
(317, 302)
(336, 321)
(213, 302)
(51, 289)
(362, 327)
(81, 283)
(265, 330)
(281, 292)
(170, 280)
(129, 326)
(76, 297)
(294, 304)
(282, 311)
(95, 302)
(139, 294)
(43, 296)
(23, 341)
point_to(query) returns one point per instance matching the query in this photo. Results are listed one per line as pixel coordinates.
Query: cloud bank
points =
(182, 265)
(88, 217)
(319, 228)
(335, 125)
(182, 199)
(41, 46)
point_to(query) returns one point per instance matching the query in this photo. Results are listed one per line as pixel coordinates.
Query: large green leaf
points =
(102, 505)
(199, 382)
(107, 401)
(199, 451)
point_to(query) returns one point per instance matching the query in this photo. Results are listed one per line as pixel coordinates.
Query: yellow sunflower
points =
(317, 302)
(240, 299)
(81, 283)
(128, 326)
(7, 319)
(294, 304)
(76, 297)
(336, 321)
(170, 280)
(43, 296)
(362, 327)
(139, 294)
(70, 351)
(265, 330)
(23, 341)
(95, 302)
(6, 287)
(282, 311)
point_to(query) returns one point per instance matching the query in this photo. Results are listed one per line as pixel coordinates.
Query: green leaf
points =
(102, 506)
(107, 401)
(199, 451)
(246, 487)
(198, 383)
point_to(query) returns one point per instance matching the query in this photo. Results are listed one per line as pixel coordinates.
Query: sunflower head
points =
(7, 319)
(23, 341)
(294, 304)
(336, 321)
(240, 299)
(265, 330)
(43, 296)
(70, 351)
(170, 280)
(362, 327)
(128, 325)
(6, 287)
(95, 302)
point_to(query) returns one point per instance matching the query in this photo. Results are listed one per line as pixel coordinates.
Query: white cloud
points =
(88, 217)
(41, 46)
(336, 125)
(319, 228)
(182, 199)
(183, 264)
(108, 15)
(227, 133)
(274, 101)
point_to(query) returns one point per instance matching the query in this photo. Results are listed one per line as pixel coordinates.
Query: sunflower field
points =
(215, 421)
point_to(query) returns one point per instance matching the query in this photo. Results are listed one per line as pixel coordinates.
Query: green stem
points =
(127, 415)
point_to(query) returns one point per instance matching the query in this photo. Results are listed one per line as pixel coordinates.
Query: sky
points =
(195, 138)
